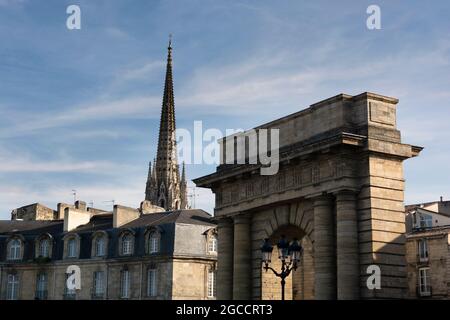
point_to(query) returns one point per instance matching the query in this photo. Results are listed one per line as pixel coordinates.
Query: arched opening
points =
(300, 283)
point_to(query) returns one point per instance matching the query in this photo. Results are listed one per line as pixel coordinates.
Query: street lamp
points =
(289, 254)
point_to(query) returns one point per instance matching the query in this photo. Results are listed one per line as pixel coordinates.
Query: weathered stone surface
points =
(341, 144)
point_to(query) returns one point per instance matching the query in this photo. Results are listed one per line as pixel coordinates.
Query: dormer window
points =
(72, 245)
(212, 244)
(211, 241)
(72, 249)
(44, 248)
(426, 221)
(99, 244)
(15, 249)
(154, 242)
(127, 243)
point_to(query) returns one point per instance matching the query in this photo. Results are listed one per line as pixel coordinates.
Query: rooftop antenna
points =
(74, 193)
(110, 201)
(192, 196)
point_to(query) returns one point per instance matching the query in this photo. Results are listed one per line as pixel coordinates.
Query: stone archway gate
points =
(341, 179)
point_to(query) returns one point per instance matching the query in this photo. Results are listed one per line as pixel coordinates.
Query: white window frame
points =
(100, 246)
(12, 288)
(212, 284)
(44, 250)
(152, 282)
(125, 279)
(423, 249)
(424, 282)
(41, 283)
(14, 249)
(154, 242)
(99, 283)
(66, 289)
(127, 244)
(72, 248)
(212, 244)
(425, 221)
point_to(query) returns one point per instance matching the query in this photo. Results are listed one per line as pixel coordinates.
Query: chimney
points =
(80, 205)
(60, 209)
(442, 199)
(122, 215)
(147, 207)
(73, 218)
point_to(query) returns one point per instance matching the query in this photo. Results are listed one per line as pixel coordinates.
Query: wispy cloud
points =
(127, 193)
(141, 72)
(116, 33)
(130, 107)
(22, 166)
(7, 3)
(13, 161)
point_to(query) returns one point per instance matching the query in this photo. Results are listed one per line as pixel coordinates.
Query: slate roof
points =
(193, 216)
(31, 227)
(165, 220)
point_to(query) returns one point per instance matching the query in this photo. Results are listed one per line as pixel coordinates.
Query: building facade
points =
(428, 250)
(124, 254)
(339, 189)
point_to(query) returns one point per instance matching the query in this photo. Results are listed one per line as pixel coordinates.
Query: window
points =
(69, 294)
(154, 242)
(151, 282)
(125, 284)
(72, 248)
(424, 282)
(423, 250)
(127, 244)
(100, 244)
(41, 286)
(212, 283)
(212, 244)
(98, 289)
(15, 249)
(12, 290)
(44, 248)
(426, 221)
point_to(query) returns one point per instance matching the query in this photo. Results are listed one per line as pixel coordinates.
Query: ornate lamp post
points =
(289, 254)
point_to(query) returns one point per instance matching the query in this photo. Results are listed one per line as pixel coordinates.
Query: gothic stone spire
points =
(164, 188)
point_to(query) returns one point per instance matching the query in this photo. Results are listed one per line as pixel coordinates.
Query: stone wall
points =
(190, 239)
(181, 278)
(438, 263)
(34, 211)
(341, 159)
(190, 279)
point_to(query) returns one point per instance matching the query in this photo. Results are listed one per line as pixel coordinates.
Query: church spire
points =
(165, 188)
(166, 141)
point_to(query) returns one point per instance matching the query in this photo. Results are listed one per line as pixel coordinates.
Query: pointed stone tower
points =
(164, 186)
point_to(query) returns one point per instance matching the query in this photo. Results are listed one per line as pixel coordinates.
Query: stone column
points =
(225, 259)
(347, 246)
(324, 249)
(242, 258)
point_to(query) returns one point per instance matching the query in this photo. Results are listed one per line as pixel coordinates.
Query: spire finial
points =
(170, 41)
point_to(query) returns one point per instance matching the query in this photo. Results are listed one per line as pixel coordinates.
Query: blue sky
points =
(80, 109)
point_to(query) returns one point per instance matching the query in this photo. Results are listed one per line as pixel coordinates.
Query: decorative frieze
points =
(288, 178)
